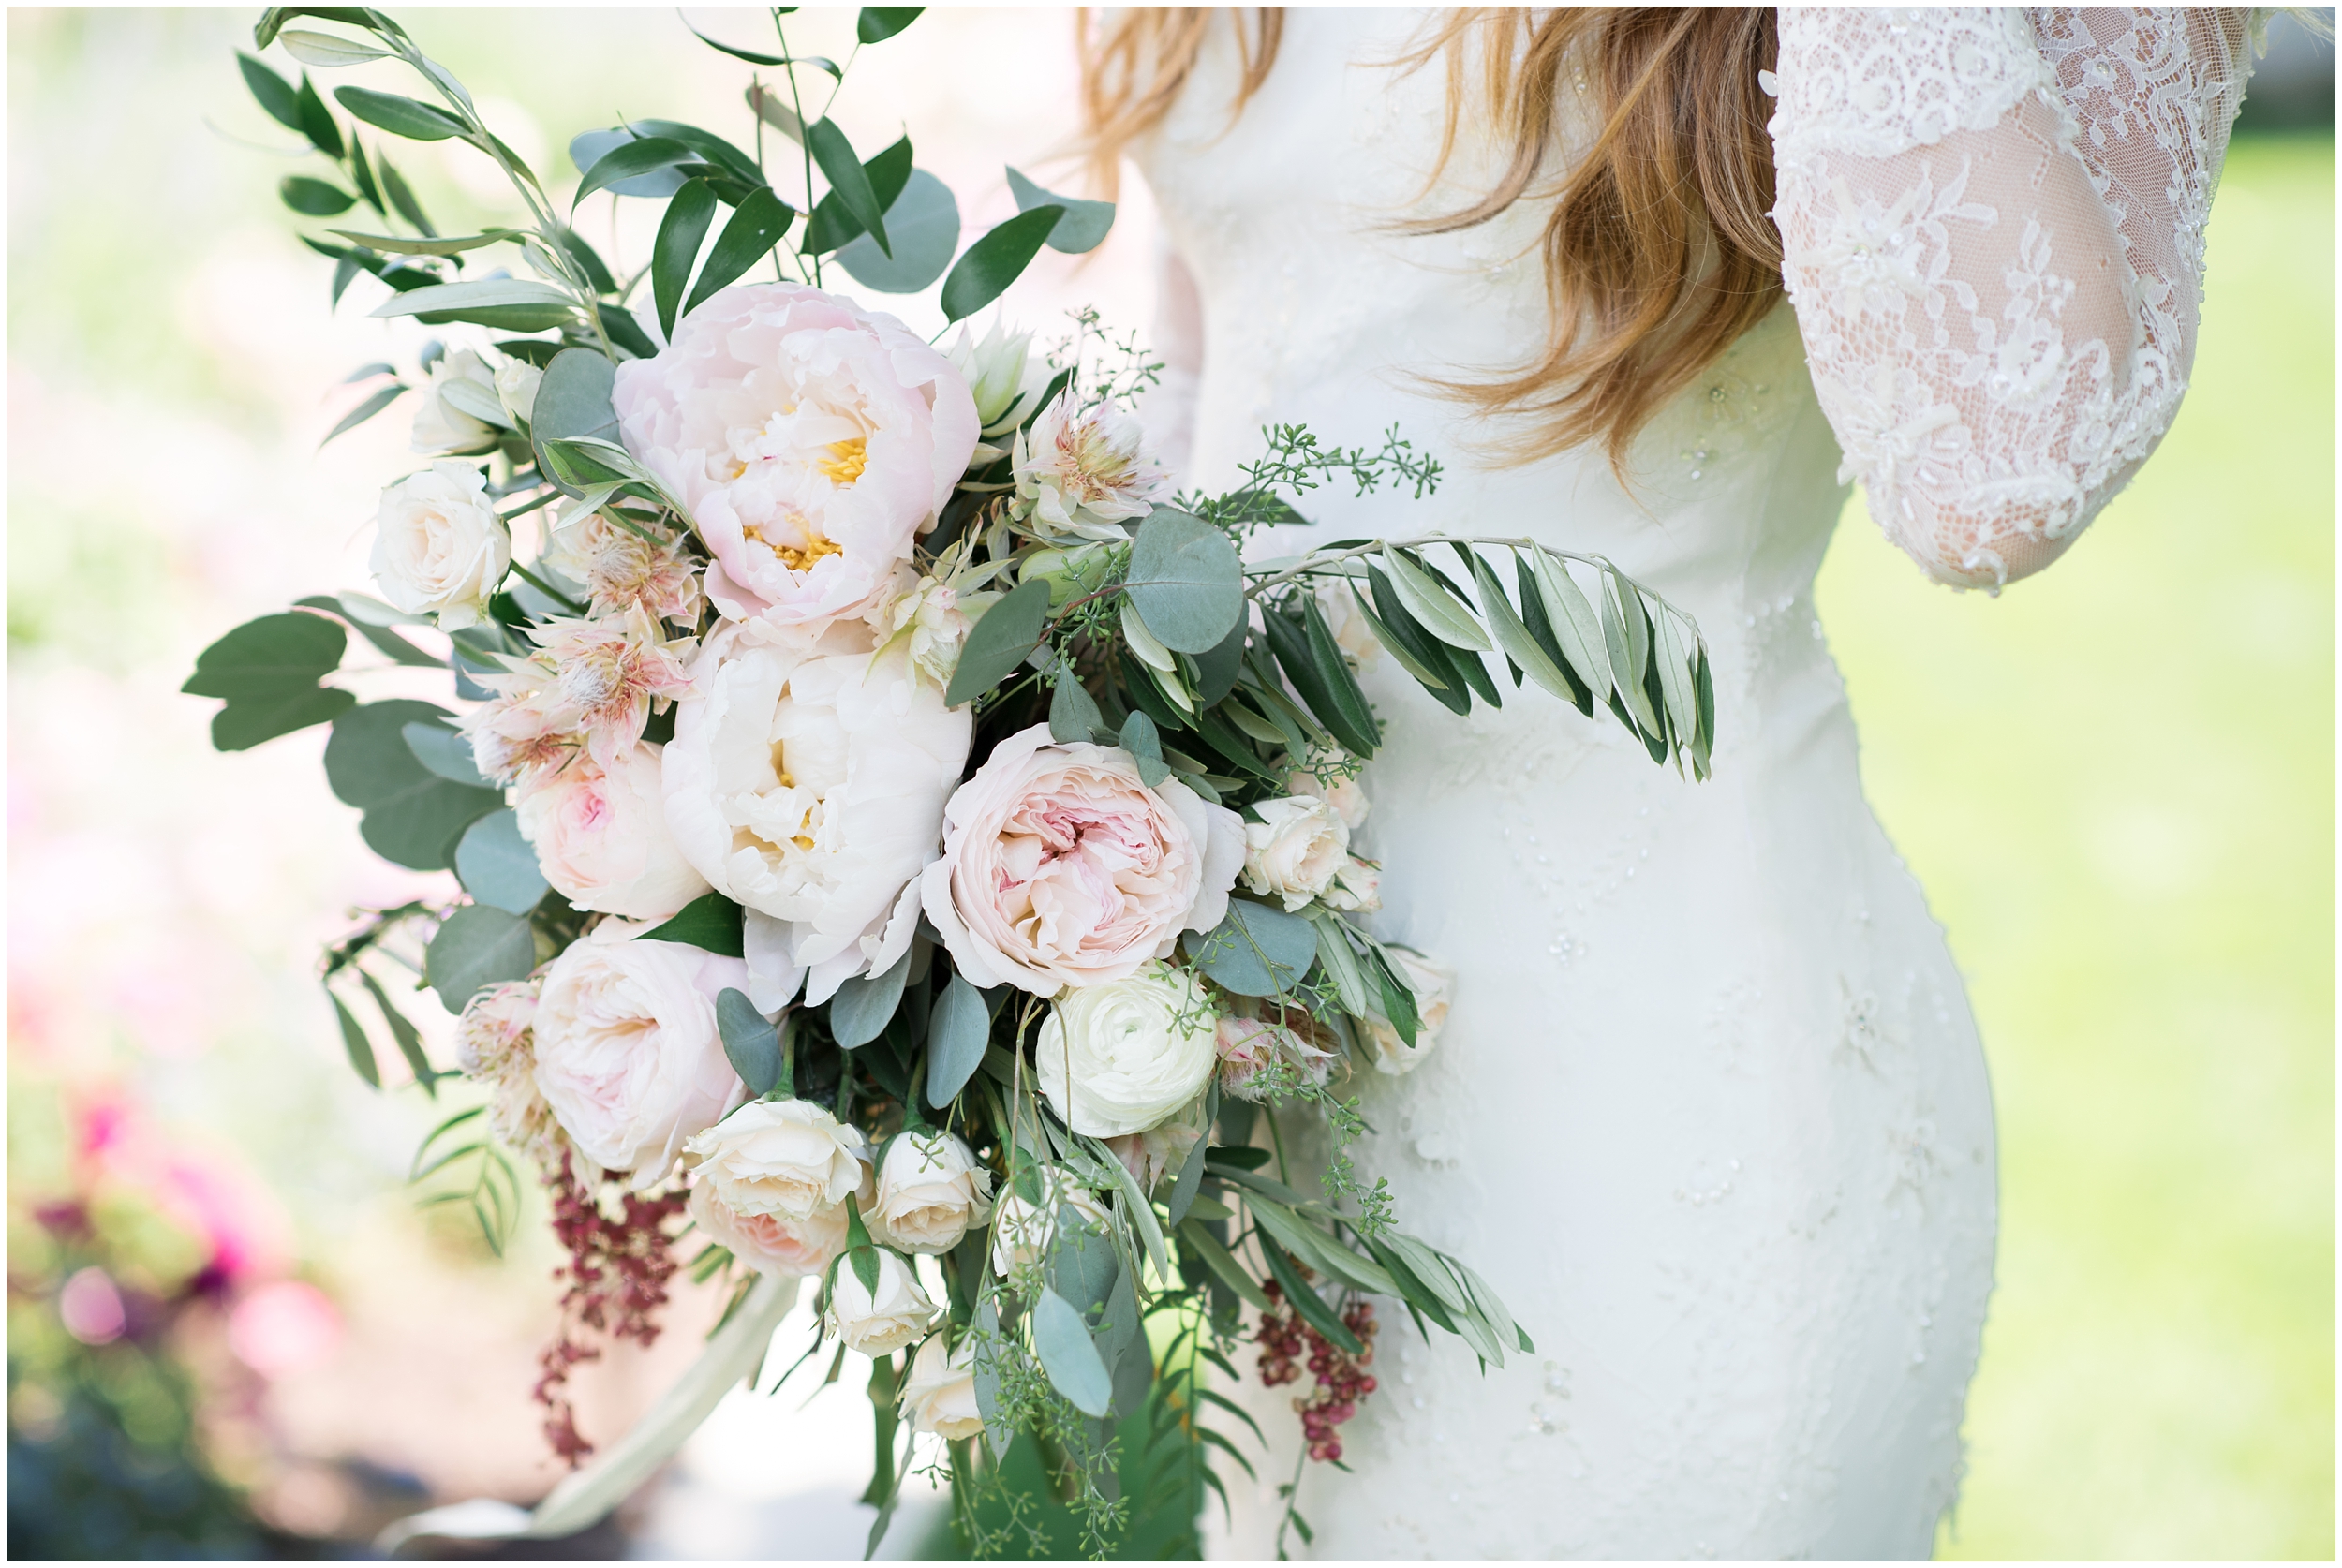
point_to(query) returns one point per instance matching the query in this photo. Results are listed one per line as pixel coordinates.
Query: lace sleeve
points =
(1993, 225)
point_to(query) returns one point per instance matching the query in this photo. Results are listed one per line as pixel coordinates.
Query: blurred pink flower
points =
(283, 1328)
(91, 1309)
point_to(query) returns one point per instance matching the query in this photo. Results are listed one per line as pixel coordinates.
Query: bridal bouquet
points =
(902, 847)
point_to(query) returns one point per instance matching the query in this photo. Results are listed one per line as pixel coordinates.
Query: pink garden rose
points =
(627, 1053)
(1061, 868)
(601, 838)
(810, 442)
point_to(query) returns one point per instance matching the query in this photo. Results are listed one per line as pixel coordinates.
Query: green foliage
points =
(711, 921)
(476, 946)
(751, 1042)
(268, 672)
(992, 263)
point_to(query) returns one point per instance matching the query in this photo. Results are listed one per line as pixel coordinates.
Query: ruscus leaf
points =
(997, 260)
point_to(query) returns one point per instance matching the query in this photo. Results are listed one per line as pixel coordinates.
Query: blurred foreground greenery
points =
(2117, 783)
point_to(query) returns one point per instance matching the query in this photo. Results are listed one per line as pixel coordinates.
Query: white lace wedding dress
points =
(1710, 1111)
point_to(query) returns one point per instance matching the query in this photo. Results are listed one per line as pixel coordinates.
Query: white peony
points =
(461, 391)
(601, 838)
(1083, 473)
(627, 1053)
(785, 1157)
(808, 786)
(439, 549)
(940, 1395)
(1137, 1051)
(931, 1193)
(1298, 848)
(881, 1322)
(1432, 984)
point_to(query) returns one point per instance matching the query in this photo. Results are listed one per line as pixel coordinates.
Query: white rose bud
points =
(1298, 848)
(784, 1157)
(1138, 1049)
(516, 388)
(1322, 776)
(881, 1322)
(1356, 888)
(931, 1193)
(1021, 1232)
(461, 391)
(439, 549)
(940, 1395)
(1159, 1152)
(770, 1243)
(1432, 984)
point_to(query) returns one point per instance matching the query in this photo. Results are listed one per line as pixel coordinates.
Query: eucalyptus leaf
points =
(574, 403)
(587, 148)
(995, 262)
(1073, 714)
(245, 723)
(476, 946)
(923, 227)
(996, 648)
(1084, 225)
(1081, 1264)
(1185, 581)
(1069, 1355)
(866, 1004)
(751, 1040)
(444, 751)
(711, 922)
(958, 1031)
(1144, 742)
(497, 865)
(273, 656)
(1256, 950)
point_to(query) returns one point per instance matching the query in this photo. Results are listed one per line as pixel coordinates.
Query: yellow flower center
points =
(797, 557)
(846, 467)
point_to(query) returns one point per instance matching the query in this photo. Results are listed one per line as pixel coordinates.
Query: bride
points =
(1710, 1109)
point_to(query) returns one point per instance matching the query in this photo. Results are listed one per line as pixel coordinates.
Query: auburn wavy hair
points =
(1659, 249)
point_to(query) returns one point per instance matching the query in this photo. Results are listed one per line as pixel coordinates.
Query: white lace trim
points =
(1993, 227)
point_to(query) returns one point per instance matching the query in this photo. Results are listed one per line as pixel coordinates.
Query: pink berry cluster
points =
(1285, 1338)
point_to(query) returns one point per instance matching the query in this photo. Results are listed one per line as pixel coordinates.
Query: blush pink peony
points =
(808, 441)
(1061, 869)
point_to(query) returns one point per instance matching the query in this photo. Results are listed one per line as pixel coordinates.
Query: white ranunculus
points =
(808, 785)
(1295, 849)
(773, 1244)
(439, 549)
(785, 1157)
(1137, 1049)
(940, 1395)
(1021, 1232)
(443, 424)
(627, 1053)
(516, 382)
(1432, 984)
(931, 1193)
(881, 1322)
(601, 838)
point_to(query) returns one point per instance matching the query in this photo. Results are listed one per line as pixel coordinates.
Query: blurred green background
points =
(2115, 782)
